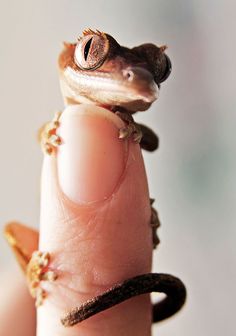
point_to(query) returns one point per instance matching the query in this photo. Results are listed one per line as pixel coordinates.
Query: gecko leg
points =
(149, 141)
(155, 224)
(37, 271)
(47, 135)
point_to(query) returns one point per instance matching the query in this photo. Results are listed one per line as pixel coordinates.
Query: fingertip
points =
(91, 158)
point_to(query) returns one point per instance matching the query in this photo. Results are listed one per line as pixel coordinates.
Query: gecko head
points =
(98, 70)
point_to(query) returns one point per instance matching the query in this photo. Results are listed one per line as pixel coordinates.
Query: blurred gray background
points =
(192, 175)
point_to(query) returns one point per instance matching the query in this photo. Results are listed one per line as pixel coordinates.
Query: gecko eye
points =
(167, 70)
(91, 51)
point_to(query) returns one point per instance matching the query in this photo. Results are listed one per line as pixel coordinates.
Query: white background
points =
(192, 175)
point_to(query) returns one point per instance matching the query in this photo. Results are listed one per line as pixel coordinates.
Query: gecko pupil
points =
(86, 48)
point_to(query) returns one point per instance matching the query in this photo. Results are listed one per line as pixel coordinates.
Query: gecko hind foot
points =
(37, 271)
(155, 224)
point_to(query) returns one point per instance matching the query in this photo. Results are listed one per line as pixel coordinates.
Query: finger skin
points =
(17, 310)
(94, 245)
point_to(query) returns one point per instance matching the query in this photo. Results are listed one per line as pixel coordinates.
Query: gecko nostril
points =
(129, 75)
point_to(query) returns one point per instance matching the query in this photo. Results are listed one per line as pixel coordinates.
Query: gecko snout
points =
(142, 83)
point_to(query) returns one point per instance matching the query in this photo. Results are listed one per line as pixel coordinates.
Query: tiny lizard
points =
(97, 70)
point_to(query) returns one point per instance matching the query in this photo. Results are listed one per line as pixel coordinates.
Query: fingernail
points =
(91, 158)
(22, 240)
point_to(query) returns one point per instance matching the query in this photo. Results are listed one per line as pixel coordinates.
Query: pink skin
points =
(17, 311)
(95, 216)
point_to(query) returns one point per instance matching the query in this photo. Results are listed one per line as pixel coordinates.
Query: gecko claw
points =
(124, 133)
(131, 130)
(137, 137)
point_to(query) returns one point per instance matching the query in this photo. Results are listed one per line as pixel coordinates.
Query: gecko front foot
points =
(131, 129)
(47, 134)
(37, 271)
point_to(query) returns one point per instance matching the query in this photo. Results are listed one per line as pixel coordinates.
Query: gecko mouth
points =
(132, 88)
